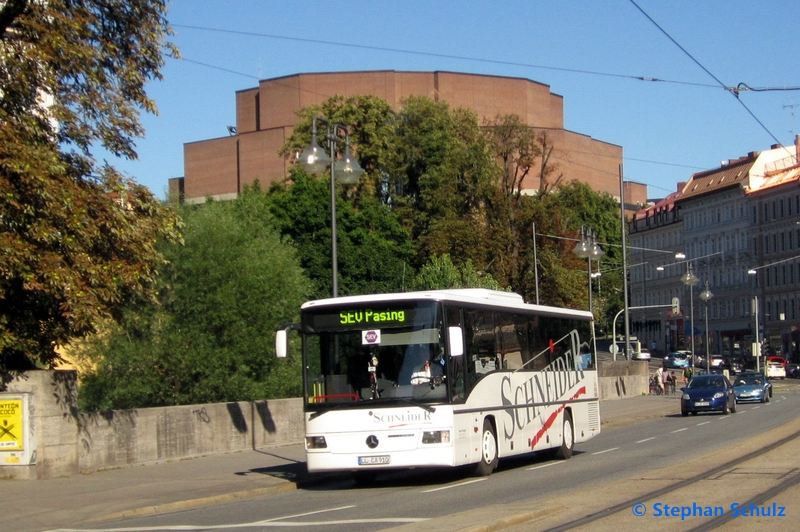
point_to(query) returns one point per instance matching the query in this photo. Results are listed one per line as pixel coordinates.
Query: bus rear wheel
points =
(568, 441)
(488, 461)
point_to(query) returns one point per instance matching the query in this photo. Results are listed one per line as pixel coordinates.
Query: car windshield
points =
(749, 381)
(705, 383)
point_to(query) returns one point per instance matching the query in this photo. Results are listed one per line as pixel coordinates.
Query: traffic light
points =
(764, 348)
(676, 306)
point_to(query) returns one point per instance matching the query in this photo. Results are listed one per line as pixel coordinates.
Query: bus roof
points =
(479, 296)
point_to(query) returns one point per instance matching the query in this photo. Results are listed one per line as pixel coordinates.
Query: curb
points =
(194, 503)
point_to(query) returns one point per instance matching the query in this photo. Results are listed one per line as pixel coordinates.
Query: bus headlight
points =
(316, 442)
(436, 436)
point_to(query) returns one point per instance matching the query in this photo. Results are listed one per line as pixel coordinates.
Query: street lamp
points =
(705, 295)
(346, 170)
(588, 248)
(690, 279)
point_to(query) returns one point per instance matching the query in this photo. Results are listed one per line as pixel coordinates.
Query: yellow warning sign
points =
(11, 425)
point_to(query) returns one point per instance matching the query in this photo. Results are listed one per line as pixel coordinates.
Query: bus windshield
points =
(372, 352)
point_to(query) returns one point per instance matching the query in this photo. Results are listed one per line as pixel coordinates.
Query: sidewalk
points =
(37, 505)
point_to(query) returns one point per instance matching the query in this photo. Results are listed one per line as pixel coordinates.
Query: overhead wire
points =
(731, 90)
(719, 84)
(443, 56)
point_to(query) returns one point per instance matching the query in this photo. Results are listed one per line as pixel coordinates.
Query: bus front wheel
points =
(488, 461)
(567, 442)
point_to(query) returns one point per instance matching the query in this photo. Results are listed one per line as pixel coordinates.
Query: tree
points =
(563, 276)
(440, 273)
(442, 171)
(371, 123)
(225, 293)
(374, 250)
(78, 239)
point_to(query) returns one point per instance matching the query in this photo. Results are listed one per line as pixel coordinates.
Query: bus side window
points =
(456, 374)
(481, 349)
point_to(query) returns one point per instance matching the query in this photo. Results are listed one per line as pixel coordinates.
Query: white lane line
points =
(704, 423)
(646, 439)
(606, 451)
(275, 522)
(679, 430)
(257, 524)
(544, 465)
(455, 485)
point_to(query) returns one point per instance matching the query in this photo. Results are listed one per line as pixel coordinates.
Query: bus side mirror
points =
(282, 342)
(455, 341)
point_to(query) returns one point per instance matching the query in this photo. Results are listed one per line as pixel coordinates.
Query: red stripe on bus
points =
(554, 415)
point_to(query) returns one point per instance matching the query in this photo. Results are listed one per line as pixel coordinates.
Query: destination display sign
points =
(369, 318)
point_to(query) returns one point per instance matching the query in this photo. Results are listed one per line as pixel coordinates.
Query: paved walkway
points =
(37, 505)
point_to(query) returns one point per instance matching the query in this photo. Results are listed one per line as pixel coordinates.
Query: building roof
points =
(664, 205)
(734, 173)
(778, 178)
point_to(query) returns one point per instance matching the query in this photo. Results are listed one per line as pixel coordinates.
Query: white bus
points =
(503, 378)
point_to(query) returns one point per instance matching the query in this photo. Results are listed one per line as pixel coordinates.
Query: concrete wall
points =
(67, 442)
(127, 437)
(623, 378)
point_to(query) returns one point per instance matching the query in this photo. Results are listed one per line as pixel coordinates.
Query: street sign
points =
(613, 349)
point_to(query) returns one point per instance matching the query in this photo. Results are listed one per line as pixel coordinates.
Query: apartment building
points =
(738, 226)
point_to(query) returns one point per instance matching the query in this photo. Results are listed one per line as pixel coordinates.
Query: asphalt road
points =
(645, 455)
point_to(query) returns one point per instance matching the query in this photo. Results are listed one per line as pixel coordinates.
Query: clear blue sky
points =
(588, 51)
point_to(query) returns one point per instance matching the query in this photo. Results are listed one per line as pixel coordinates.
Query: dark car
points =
(759, 375)
(734, 365)
(708, 393)
(792, 371)
(751, 389)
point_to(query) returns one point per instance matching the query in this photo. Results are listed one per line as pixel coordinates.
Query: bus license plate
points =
(701, 403)
(373, 460)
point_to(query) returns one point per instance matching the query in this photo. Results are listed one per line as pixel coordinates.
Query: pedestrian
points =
(659, 376)
(665, 378)
(687, 375)
(673, 381)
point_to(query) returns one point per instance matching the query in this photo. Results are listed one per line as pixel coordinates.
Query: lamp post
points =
(346, 170)
(690, 280)
(588, 248)
(705, 295)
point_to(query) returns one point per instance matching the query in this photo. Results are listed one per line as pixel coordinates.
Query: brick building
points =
(266, 115)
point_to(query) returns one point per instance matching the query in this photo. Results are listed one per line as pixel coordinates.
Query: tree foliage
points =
(77, 240)
(226, 292)
(374, 250)
(440, 273)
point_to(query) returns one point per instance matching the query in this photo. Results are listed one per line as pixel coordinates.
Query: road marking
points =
(703, 423)
(646, 439)
(679, 430)
(455, 485)
(543, 465)
(606, 451)
(276, 522)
